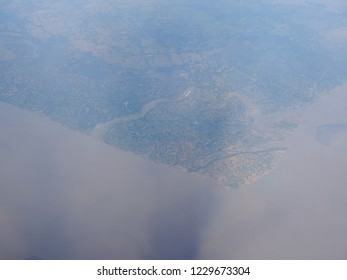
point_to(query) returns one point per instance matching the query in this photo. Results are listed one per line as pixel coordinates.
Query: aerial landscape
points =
(216, 89)
(205, 87)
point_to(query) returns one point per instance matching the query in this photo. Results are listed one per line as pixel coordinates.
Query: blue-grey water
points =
(67, 196)
(299, 210)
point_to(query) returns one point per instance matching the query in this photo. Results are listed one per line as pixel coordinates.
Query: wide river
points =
(65, 195)
(299, 210)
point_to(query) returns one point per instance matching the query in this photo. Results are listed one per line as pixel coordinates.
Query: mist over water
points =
(298, 211)
(65, 195)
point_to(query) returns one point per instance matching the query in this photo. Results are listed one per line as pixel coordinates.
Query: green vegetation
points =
(123, 68)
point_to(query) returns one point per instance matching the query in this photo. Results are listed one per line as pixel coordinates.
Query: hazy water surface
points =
(65, 195)
(299, 210)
